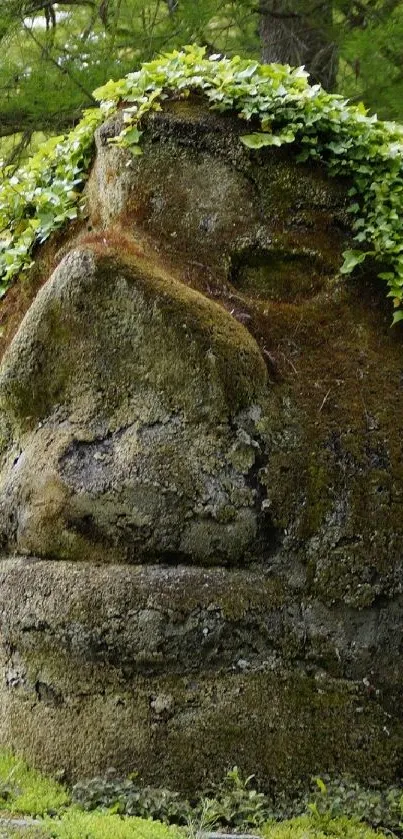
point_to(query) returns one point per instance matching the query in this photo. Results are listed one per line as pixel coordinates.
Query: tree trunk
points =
(299, 32)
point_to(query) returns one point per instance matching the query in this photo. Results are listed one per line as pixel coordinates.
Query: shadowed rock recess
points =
(201, 477)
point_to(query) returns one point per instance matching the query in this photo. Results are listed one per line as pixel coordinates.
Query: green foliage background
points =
(283, 107)
(54, 54)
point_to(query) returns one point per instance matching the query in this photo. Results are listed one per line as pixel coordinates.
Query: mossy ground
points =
(25, 792)
(312, 827)
(74, 824)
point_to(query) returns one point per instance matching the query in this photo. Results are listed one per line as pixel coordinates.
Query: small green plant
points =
(126, 796)
(203, 821)
(235, 802)
(345, 797)
(282, 108)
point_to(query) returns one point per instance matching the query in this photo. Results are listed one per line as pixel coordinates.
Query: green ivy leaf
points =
(136, 150)
(258, 141)
(351, 259)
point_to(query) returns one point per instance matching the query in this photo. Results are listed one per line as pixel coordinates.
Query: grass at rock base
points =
(25, 793)
(311, 827)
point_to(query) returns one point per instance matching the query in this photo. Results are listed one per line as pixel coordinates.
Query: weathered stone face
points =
(201, 464)
(226, 221)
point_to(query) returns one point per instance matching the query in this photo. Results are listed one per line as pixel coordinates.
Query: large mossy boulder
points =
(117, 397)
(201, 477)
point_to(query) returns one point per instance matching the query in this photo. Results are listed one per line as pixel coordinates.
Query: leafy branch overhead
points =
(283, 108)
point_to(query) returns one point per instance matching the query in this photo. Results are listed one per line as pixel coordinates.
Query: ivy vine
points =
(42, 195)
(277, 99)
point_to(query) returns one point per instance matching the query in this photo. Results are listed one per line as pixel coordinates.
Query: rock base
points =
(180, 673)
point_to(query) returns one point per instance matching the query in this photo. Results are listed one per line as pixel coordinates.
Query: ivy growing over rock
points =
(42, 195)
(282, 107)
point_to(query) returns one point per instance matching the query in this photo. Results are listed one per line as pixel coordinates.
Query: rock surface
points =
(121, 446)
(201, 478)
